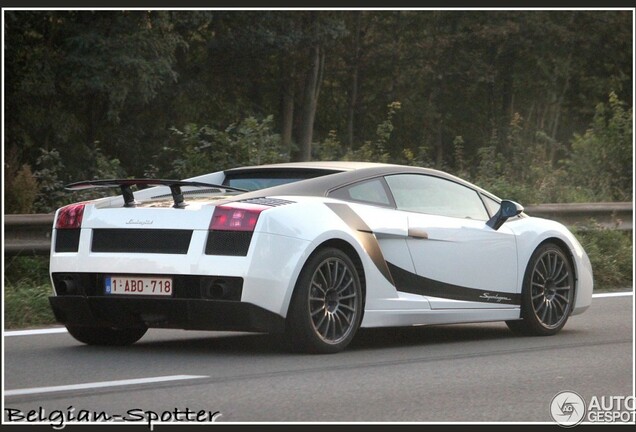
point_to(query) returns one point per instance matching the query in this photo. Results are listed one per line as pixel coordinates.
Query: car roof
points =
(350, 172)
(318, 165)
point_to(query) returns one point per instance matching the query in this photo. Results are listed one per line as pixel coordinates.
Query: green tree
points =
(602, 158)
(206, 149)
(73, 78)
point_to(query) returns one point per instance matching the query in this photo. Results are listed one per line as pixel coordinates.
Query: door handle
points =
(418, 233)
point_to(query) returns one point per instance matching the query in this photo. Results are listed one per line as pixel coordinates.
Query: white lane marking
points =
(613, 294)
(102, 384)
(63, 330)
(35, 332)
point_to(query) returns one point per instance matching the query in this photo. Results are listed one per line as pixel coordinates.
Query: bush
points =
(50, 169)
(21, 189)
(598, 168)
(611, 255)
(51, 175)
(377, 151)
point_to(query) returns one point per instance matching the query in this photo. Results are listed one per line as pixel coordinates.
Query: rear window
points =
(252, 180)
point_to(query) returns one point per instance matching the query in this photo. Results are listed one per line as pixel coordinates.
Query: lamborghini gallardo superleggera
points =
(313, 250)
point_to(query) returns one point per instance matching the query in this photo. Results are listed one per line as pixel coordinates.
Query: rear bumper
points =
(190, 314)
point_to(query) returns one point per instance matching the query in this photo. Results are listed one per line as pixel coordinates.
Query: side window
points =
(437, 196)
(368, 192)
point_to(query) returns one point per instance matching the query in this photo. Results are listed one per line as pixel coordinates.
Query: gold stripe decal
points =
(364, 235)
(405, 281)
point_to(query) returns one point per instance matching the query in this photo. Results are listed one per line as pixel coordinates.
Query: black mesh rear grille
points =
(272, 202)
(233, 243)
(67, 240)
(141, 241)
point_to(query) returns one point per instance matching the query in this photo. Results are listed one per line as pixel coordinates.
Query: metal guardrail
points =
(28, 234)
(612, 215)
(31, 234)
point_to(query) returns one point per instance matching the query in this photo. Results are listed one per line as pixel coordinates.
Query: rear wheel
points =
(548, 293)
(326, 308)
(106, 335)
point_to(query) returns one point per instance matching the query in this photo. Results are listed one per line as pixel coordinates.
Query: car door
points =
(372, 202)
(459, 261)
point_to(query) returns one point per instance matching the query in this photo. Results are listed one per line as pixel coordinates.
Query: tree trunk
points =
(352, 108)
(395, 57)
(439, 144)
(561, 97)
(353, 95)
(507, 88)
(288, 91)
(312, 92)
(564, 89)
(91, 122)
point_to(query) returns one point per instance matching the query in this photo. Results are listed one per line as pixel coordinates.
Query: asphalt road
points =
(478, 372)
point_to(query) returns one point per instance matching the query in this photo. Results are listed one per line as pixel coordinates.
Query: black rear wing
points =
(127, 193)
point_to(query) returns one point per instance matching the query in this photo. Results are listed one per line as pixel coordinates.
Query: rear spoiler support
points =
(125, 186)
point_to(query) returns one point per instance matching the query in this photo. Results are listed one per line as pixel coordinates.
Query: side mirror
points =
(507, 210)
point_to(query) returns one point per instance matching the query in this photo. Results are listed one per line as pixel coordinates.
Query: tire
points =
(326, 308)
(548, 293)
(106, 335)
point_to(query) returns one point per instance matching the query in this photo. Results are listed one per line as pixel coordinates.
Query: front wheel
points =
(548, 293)
(106, 335)
(326, 309)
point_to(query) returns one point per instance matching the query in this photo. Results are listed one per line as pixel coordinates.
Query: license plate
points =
(138, 285)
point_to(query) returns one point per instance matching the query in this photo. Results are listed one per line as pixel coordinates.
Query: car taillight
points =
(70, 217)
(236, 218)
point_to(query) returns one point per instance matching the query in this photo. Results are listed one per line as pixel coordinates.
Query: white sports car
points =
(315, 250)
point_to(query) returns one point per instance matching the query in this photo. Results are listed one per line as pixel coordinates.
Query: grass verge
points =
(26, 292)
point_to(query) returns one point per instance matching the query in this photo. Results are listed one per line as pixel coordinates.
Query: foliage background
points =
(533, 105)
